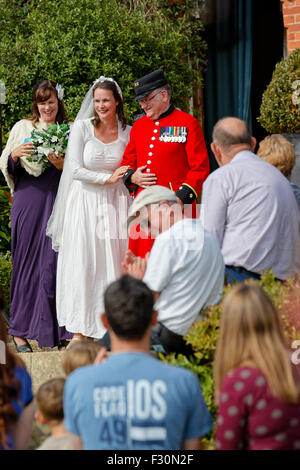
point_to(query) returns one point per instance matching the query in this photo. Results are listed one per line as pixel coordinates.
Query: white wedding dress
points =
(94, 236)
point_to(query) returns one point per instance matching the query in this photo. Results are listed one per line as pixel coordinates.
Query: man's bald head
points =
(231, 131)
(231, 136)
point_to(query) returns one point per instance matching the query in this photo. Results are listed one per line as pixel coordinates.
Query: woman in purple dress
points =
(32, 308)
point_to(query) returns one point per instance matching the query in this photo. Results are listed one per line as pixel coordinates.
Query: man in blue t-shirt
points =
(132, 400)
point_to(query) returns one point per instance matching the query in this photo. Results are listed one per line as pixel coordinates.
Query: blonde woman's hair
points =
(82, 353)
(250, 334)
(278, 151)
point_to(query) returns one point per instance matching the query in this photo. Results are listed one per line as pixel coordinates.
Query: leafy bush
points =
(76, 41)
(5, 205)
(5, 274)
(280, 107)
(203, 335)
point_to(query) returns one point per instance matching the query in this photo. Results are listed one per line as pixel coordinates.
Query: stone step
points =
(43, 366)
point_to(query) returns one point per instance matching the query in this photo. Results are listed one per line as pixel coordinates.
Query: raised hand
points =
(143, 179)
(128, 259)
(137, 268)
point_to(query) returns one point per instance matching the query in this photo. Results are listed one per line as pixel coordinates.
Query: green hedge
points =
(280, 107)
(5, 274)
(203, 335)
(5, 226)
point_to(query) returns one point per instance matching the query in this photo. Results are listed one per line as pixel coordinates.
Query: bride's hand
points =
(117, 175)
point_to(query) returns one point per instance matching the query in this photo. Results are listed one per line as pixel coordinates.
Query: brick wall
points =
(291, 19)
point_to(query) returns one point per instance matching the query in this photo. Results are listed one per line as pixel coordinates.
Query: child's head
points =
(250, 333)
(82, 353)
(49, 400)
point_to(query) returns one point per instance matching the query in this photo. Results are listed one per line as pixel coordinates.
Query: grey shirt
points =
(296, 191)
(249, 206)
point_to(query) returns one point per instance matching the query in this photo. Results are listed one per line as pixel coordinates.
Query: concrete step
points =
(42, 364)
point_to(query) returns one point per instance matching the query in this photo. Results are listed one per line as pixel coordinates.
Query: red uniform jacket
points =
(173, 148)
(175, 163)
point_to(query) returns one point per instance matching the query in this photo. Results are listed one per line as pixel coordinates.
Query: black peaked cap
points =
(144, 85)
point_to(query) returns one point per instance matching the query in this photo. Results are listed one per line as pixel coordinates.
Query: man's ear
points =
(154, 317)
(217, 153)
(39, 417)
(165, 95)
(253, 144)
(105, 320)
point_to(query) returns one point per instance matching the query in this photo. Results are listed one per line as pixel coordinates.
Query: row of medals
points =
(173, 134)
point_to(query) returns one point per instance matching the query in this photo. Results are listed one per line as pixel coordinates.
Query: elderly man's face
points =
(159, 217)
(154, 103)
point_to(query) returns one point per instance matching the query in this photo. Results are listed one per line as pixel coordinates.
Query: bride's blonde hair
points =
(250, 334)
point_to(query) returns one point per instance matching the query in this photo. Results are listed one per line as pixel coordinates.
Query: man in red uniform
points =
(166, 147)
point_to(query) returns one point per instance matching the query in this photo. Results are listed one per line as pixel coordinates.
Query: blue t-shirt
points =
(25, 396)
(133, 401)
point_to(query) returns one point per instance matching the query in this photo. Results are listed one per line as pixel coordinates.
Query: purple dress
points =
(33, 280)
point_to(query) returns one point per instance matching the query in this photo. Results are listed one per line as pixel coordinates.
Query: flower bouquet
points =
(54, 139)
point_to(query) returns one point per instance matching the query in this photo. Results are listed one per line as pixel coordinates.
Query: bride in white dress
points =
(88, 224)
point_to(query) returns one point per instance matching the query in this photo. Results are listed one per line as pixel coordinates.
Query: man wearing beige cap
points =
(185, 268)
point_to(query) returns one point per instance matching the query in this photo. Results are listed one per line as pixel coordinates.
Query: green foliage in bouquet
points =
(5, 275)
(280, 107)
(76, 41)
(5, 226)
(203, 335)
(53, 139)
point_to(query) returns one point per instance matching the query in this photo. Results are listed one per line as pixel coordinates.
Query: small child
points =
(49, 400)
(81, 353)
(255, 381)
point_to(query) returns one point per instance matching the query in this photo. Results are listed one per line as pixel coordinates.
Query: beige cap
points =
(151, 195)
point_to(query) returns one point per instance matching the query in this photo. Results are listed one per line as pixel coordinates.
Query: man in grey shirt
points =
(249, 206)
